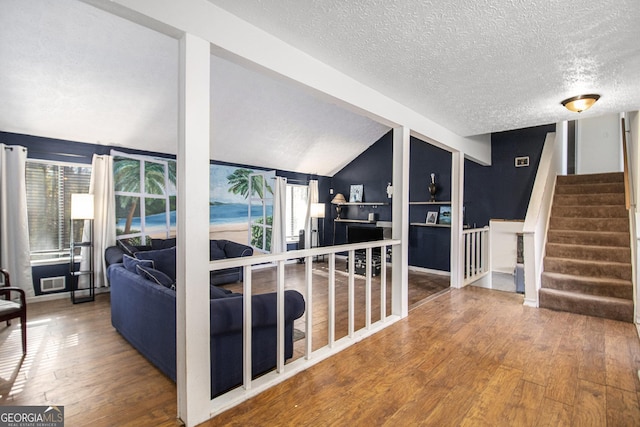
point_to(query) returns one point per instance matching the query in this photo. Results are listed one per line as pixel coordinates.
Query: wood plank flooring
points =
(468, 357)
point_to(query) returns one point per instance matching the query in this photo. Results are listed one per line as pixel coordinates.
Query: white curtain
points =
(279, 231)
(104, 212)
(15, 255)
(308, 226)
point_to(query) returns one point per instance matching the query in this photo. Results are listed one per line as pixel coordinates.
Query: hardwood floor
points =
(468, 357)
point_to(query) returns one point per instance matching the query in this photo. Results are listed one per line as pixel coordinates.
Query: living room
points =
(489, 191)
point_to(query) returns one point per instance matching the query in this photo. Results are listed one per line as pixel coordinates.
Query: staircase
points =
(587, 265)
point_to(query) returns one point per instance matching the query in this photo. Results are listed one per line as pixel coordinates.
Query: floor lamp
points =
(82, 209)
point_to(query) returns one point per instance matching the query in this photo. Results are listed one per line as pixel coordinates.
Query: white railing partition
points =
(537, 219)
(476, 254)
(252, 387)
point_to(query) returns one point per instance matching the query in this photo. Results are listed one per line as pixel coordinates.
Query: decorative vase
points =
(433, 188)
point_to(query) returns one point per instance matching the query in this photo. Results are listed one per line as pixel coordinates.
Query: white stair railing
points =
(537, 218)
(476, 254)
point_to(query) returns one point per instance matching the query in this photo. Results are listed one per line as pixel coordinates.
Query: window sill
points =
(51, 261)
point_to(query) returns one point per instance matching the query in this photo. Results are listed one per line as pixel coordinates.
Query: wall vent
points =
(50, 284)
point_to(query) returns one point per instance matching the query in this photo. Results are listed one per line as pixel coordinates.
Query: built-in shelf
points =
(360, 221)
(429, 203)
(374, 204)
(423, 224)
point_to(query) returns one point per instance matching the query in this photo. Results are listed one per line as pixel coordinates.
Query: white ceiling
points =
(71, 71)
(473, 66)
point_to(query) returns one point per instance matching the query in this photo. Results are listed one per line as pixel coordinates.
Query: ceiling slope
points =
(74, 72)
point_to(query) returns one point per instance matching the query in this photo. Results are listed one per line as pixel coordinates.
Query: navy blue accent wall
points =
(502, 191)
(373, 169)
(429, 247)
(59, 150)
(498, 191)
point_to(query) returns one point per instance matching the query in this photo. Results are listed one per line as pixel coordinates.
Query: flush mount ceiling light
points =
(580, 103)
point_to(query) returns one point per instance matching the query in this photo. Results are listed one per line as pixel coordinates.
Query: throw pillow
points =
(126, 247)
(157, 244)
(215, 252)
(130, 263)
(163, 260)
(156, 276)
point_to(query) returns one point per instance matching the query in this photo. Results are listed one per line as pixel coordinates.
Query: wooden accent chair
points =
(10, 309)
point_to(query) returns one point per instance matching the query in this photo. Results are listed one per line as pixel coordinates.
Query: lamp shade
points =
(82, 206)
(580, 103)
(317, 210)
(338, 199)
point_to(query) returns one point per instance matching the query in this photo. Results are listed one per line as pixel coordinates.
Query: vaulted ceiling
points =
(74, 72)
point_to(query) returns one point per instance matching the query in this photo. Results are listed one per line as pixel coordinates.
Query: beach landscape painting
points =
(232, 190)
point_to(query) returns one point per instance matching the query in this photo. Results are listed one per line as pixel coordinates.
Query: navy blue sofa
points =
(218, 249)
(144, 313)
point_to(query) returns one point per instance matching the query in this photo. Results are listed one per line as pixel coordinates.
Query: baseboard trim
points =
(430, 271)
(62, 295)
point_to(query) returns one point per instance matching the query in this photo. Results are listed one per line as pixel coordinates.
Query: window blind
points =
(49, 189)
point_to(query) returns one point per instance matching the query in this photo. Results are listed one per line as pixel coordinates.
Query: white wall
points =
(598, 145)
(504, 244)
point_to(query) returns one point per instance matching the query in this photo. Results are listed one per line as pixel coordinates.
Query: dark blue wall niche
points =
(429, 247)
(374, 170)
(502, 191)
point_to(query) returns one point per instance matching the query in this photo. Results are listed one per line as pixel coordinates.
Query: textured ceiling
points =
(74, 72)
(474, 67)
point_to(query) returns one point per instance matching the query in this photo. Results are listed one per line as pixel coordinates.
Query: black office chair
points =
(10, 309)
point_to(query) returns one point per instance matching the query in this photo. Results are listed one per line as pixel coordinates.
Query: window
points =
(49, 189)
(296, 210)
(145, 193)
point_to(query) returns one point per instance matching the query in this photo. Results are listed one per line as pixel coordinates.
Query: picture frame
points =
(444, 216)
(522, 162)
(355, 193)
(432, 217)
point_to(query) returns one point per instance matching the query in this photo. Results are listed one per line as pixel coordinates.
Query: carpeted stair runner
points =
(587, 265)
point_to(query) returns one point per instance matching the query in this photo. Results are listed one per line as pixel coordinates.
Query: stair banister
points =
(630, 202)
(627, 179)
(537, 218)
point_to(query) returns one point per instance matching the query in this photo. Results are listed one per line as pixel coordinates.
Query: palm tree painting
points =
(236, 191)
(127, 184)
(239, 183)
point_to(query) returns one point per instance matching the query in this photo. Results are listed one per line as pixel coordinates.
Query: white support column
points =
(400, 222)
(457, 217)
(192, 306)
(331, 309)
